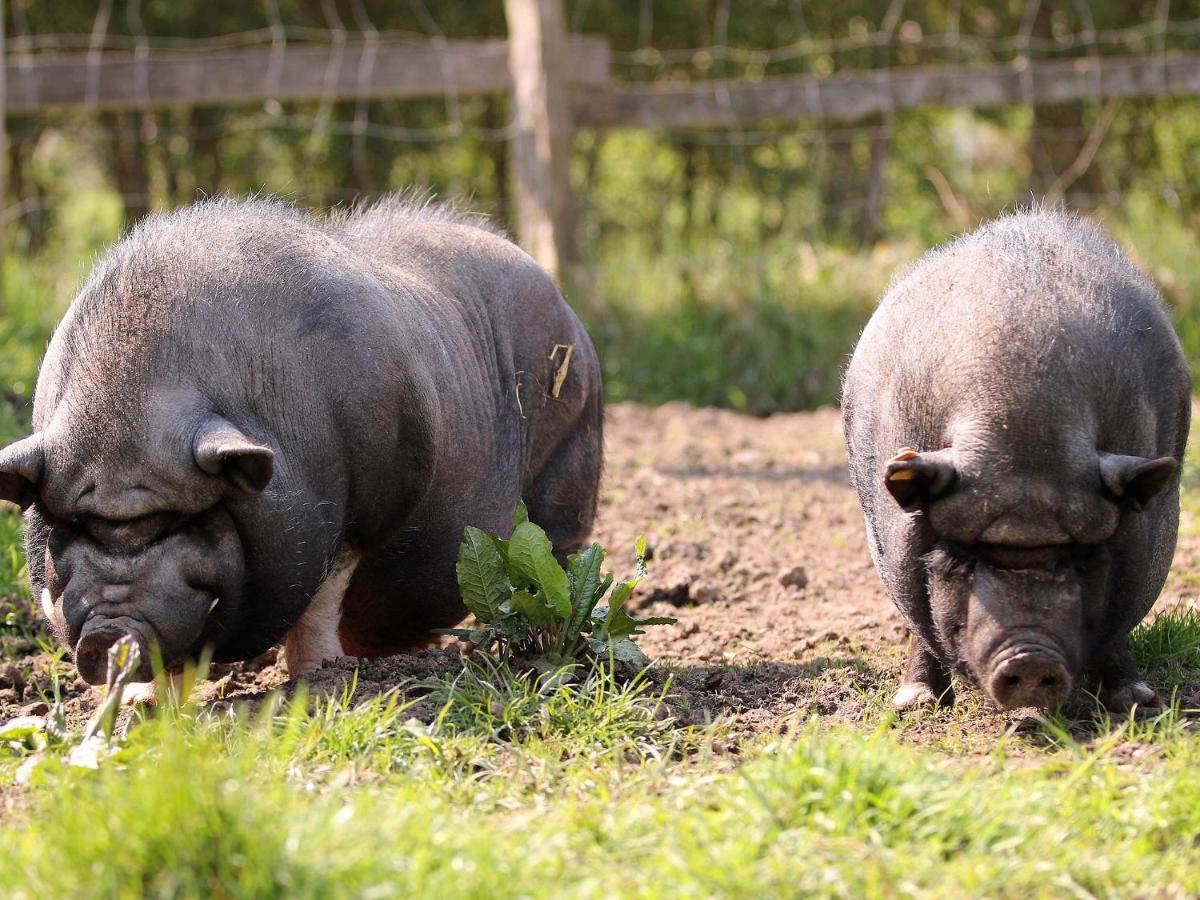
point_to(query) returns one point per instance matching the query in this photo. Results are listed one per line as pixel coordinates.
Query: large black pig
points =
(1016, 413)
(254, 424)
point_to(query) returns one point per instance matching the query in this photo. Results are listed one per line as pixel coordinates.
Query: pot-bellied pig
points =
(254, 424)
(1016, 413)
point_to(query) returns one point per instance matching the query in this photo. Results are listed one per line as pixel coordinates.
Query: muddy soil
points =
(756, 546)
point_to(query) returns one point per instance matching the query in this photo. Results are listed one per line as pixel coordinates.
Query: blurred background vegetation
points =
(726, 267)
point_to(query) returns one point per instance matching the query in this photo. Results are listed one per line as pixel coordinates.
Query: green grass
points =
(361, 802)
(760, 329)
(531, 787)
(765, 325)
(1169, 647)
(19, 619)
(527, 786)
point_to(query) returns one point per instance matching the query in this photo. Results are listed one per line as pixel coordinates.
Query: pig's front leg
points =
(1121, 685)
(139, 693)
(315, 637)
(925, 683)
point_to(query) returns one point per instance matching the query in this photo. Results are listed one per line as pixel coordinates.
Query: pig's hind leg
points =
(561, 498)
(400, 594)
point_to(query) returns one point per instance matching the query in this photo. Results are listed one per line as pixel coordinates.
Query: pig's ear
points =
(222, 449)
(1136, 479)
(917, 479)
(21, 467)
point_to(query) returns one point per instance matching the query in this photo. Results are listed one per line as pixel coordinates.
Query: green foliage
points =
(20, 623)
(527, 607)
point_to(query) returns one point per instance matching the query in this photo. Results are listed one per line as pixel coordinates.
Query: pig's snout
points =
(91, 653)
(1030, 675)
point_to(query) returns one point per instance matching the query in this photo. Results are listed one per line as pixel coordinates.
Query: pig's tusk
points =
(213, 605)
(53, 615)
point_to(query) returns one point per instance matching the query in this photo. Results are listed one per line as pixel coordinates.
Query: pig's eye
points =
(1087, 559)
(132, 534)
(951, 561)
(1024, 558)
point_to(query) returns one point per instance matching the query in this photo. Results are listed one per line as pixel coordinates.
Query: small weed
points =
(527, 607)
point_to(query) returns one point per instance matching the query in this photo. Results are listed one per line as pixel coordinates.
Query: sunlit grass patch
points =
(185, 815)
(1167, 647)
(190, 812)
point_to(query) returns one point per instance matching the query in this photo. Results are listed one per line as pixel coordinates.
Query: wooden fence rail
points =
(855, 95)
(395, 71)
(113, 81)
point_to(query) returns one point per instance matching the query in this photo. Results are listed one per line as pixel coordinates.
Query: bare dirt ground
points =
(756, 546)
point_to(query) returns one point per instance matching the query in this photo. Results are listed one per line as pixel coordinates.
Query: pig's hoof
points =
(1128, 694)
(139, 693)
(914, 695)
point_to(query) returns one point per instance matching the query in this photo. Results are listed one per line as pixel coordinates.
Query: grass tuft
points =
(1167, 647)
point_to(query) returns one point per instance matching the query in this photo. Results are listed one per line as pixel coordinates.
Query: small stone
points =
(795, 578)
(748, 459)
(25, 772)
(262, 661)
(38, 708)
(11, 677)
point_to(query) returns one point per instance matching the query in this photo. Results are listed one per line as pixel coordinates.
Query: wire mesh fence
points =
(838, 177)
(715, 143)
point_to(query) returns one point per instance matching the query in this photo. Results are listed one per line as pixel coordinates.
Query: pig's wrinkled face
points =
(135, 535)
(1020, 621)
(1018, 578)
(160, 577)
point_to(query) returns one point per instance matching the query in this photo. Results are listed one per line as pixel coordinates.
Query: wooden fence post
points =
(3, 154)
(541, 137)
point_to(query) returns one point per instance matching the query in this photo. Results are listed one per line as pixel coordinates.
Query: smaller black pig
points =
(1015, 414)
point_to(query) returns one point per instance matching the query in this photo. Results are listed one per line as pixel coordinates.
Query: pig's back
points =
(1034, 320)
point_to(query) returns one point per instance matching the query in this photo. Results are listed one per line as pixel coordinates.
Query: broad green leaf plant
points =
(528, 608)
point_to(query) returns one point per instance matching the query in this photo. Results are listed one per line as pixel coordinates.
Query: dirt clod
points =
(795, 578)
(11, 677)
